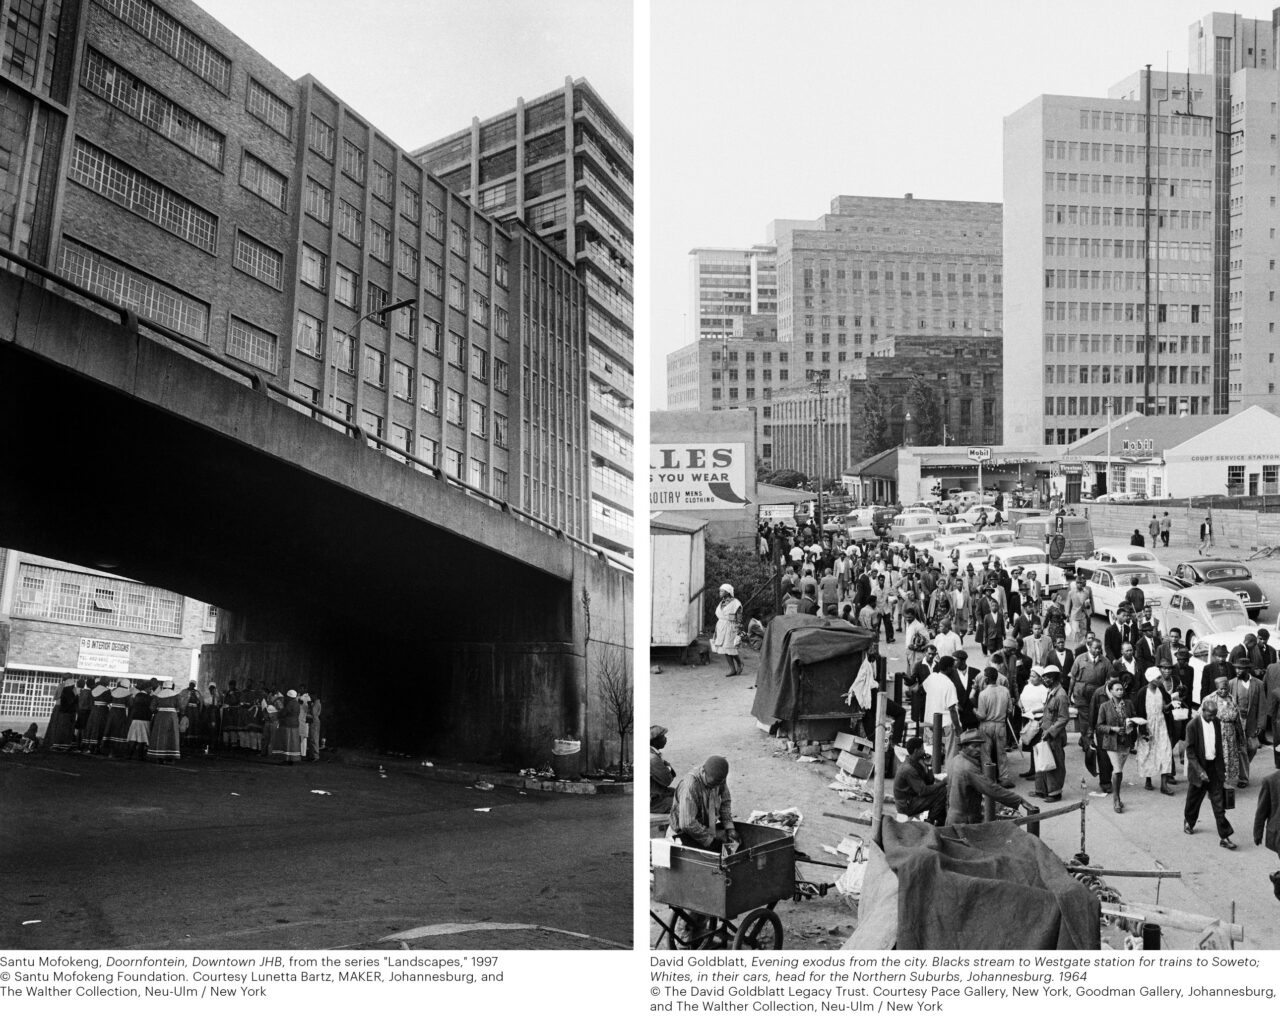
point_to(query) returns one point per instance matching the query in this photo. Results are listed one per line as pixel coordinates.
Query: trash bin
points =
(566, 759)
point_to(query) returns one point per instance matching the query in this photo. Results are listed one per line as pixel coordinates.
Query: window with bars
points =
(379, 241)
(259, 260)
(321, 137)
(117, 181)
(319, 201)
(435, 222)
(124, 91)
(382, 183)
(313, 268)
(308, 334)
(410, 203)
(350, 222)
(433, 278)
(346, 286)
(134, 290)
(252, 344)
(493, 196)
(430, 395)
(269, 108)
(264, 181)
(353, 161)
(375, 366)
(174, 38)
(344, 351)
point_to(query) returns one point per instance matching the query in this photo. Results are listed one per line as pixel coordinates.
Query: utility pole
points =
(818, 380)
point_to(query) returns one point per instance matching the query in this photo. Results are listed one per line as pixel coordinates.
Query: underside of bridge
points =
(429, 620)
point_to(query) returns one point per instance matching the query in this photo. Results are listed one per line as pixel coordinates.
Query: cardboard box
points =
(858, 767)
(853, 744)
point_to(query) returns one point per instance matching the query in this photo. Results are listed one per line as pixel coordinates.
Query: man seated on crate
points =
(915, 788)
(702, 813)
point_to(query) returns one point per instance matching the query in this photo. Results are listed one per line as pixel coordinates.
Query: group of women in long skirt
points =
(150, 721)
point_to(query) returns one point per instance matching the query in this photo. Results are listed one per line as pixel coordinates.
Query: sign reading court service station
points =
(697, 475)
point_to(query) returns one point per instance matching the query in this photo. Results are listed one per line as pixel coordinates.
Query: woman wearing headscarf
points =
(115, 736)
(1232, 729)
(288, 730)
(139, 724)
(96, 728)
(728, 626)
(165, 738)
(61, 733)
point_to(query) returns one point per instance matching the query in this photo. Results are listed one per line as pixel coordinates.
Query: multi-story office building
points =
(729, 373)
(563, 162)
(1140, 230)
(874, 267)
(730, 283)
(157, 160)
(962, 377)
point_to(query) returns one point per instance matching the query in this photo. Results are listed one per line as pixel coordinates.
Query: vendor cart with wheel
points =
(706, 891)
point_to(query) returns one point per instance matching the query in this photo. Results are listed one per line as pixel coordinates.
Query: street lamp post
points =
(351, 335)
(818, 384)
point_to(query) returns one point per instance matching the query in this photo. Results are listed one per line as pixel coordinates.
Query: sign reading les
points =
(697, 474)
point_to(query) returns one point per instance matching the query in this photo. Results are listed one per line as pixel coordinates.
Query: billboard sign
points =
(106, 656)
(697, 475)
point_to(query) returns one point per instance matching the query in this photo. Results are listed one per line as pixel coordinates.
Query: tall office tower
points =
(744, 364)
(729, 283)
(563, 163)
(1141, 235)
(154, 158)
(875, 267)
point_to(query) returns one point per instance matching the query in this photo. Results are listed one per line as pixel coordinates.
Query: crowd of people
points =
(155, 721)
(1130, 697)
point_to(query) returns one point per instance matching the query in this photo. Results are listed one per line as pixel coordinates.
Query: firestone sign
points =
(697, 475)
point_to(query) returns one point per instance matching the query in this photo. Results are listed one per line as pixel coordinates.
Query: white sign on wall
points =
(105, 656)
(686, 476)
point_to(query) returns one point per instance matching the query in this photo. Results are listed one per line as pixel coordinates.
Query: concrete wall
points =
(1236, 533)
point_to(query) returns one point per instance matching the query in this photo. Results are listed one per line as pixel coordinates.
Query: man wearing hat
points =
(661, 774)
(915, 788)
(1250, 651)
(1182, 688)
(1053, 730)
(701, 811)
(1247, 691)
(967, 783)
(1144, 651)
(1218, 666)
(1088, 675)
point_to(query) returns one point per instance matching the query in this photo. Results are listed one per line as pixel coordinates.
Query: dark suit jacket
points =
(1211, 671)
(1240, 651)
(1064, 660)
(1251, 706)
(1268, 816)
(1199, 771)
(1144, 653)
(1112, 640)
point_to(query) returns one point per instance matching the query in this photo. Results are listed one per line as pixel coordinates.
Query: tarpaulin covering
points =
(989, 886)
(806, 663)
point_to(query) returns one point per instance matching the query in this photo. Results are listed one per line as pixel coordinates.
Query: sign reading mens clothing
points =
(106, 656)
(697, 474)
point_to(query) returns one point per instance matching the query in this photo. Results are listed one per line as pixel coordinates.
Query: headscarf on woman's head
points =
(726, 588)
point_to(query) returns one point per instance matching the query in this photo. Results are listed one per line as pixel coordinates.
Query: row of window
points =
(1127, 249)
(1128, 312)
(45, 592)
(1163, 124)
(1125, 343)
(1121, 153)
(1086, 373)
(1126, 280)
(1127, 217)
(1127, 185)
(1121, 404)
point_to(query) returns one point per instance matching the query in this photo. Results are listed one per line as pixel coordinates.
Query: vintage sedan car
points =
(1201, 610)
(916, 538)
(1229, 574)
(959, 529)
(996, 538)
(1138, 556)
(1032, 559)
(974, 512)
(1110, 581)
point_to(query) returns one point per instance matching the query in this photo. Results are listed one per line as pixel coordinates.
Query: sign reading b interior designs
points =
(697, 475)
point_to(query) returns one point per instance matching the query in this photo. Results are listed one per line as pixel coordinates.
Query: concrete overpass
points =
(432, 617)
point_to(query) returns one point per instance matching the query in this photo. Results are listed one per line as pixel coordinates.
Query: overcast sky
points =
(419, 69)
(764, 111)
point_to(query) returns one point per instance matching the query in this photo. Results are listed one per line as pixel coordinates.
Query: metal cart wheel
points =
(760, 929)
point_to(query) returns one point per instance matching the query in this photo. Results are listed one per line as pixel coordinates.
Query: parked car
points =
(1127, 553)
(1031, 559)
(1110, 581)
(916, 538)
(968, 553)
(974, 512)
(914, 519)
(957, 529)
(1121, 496)
(1199, 610)
(1229, 574)
(1000, 538)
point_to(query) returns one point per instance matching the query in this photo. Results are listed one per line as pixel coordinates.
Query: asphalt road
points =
(229, 853)
(708, 713)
